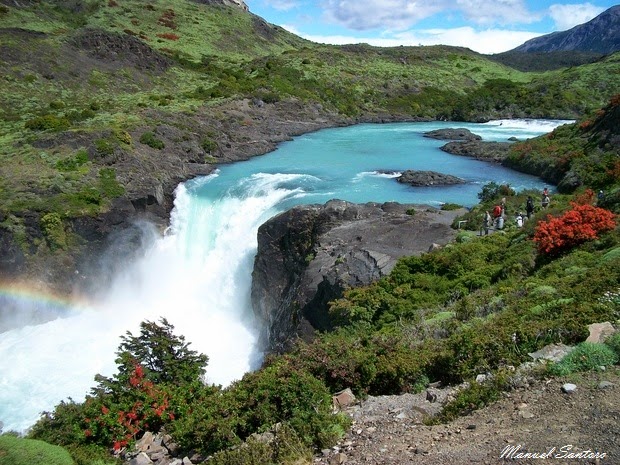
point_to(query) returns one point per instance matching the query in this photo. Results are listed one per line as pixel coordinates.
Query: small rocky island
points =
(452, 134)
(465, 143)
(418, 178)
(480, 150)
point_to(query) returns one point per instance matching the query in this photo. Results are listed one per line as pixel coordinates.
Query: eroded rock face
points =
(310, 254)
(122, 49)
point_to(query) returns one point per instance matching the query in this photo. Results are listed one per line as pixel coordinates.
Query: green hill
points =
(107, 105)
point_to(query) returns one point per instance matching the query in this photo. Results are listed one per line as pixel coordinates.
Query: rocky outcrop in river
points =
(452, 134)
(418, 178)
(309, 255)
(485, 151)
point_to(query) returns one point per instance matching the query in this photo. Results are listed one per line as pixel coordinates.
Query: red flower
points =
(580, 224)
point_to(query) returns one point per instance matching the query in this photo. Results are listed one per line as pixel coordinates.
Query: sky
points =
(485, 26)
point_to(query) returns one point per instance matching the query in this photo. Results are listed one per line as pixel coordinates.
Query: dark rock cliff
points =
(309, 255)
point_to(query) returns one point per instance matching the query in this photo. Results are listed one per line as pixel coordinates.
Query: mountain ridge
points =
(599, 35)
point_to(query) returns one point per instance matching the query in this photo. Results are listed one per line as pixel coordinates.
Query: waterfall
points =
(197, 275)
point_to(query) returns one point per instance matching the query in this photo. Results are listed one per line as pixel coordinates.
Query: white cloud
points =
(402, 14)
(388, 14)
(568, 16)
(487, 41)
(282, 5)
(496, 11)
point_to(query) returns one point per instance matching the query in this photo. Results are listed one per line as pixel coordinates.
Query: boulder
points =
(343, 399)
(309, 255)
(552, 352)
(600, 331)
(140, 459)
(569, 388)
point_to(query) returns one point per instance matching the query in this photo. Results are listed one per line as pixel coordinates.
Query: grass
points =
(18, 451)
(586, 356)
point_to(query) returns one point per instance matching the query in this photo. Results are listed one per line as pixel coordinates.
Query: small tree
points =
(493, 190)
(157, 376)
(166, 358)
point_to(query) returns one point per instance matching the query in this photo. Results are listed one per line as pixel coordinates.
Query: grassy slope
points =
(18, 451)
(219, 53)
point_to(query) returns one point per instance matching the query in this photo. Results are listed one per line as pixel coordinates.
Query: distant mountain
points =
(599, 35)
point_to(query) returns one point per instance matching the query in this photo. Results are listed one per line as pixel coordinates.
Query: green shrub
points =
(285, 446)
(586, 356)
(19, 451)
(84, 200)
(123, 136)
(48, 122)
(148, 138)
(108, 183)
(613, 254)
(60, 427)
(543, 291)
(75, 115)
(474, 397)
(464, 236)
(613, 342)
(283, 393)
(57, 104)
(91, 455)
(208, 145)
(74, 162)
(104, 147)
(53, 229)
(451, 206)
(489, 192)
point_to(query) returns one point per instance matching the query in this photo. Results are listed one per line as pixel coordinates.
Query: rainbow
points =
(23, 303)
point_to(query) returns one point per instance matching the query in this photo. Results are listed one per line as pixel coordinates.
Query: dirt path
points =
(536, 419)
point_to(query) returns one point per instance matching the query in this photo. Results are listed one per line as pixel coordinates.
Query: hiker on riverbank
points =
(529, 206)
(486, 223)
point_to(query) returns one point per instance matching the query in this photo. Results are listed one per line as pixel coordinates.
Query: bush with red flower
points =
(582, 223)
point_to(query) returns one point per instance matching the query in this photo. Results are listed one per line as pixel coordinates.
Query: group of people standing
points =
(496, 220)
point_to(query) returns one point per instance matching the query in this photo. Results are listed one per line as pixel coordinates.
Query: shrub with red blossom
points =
(583, 222)
(144, 406)
(157, 374)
